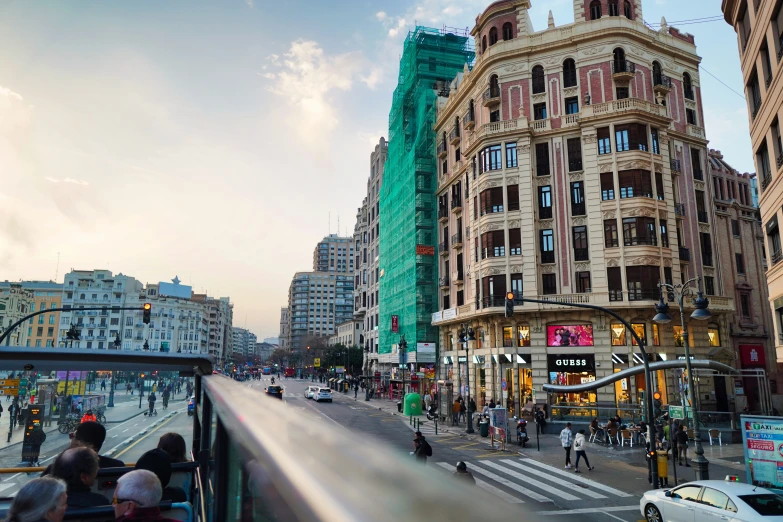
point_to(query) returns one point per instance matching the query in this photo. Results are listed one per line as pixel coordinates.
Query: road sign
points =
(9, 382)
(676, 412)
(317, 362)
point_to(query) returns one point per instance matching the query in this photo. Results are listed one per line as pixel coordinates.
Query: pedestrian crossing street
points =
(518, 480)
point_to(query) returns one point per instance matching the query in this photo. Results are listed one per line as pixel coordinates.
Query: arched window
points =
(539, 83)
(471, 109)
(494, 86)
(508, 33)
(493, 36)
(657, 75)
(627, 10)
(595, 10)
(483, 43)
(569, 73)
(687, 87)
(619, 60)
(614, 8)
(713, 334)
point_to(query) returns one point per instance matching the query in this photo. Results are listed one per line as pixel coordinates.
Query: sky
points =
(219, 141)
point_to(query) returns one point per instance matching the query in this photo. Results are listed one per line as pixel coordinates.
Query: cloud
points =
(370, 138)
(381, 16)
(434, 13)
(249, 3)
(67, 180)
(373, 78)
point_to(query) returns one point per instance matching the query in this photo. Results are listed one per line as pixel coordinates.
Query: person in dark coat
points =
(159, 462)
(463, 474)
(78, 467)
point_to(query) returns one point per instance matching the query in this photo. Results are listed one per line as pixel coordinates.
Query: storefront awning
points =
(620, 358)
(521, 359)
(448, 359)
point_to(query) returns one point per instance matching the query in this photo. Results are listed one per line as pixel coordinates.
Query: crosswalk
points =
(518, 480)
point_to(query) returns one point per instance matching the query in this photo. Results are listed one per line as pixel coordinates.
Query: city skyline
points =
(132, 146)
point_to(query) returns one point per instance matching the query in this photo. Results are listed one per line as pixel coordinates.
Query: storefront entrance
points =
(569, 370)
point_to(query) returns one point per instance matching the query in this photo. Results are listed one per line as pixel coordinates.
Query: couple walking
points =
(567, 439)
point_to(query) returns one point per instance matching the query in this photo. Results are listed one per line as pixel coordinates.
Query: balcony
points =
(443, 213)
(459, 277)
(443, 149)
(698, 175)
(775, 257)
(662, 83)
(443, 282)
(491, 97)
(542, 125)
(456, 240)
(443, 248)
(493, 301)
(696, 131)
(679, 210)
(702, 216)
(547, 257)
(622, 106)
(685, 254)
(545, 213)
(707, 259)
(615, 295)
(578, 209)
(766, 179)
(469, 120)
(456, 204)
(454, 136)
(638, 241)
(623, 70)
(649, 294)
(676, 166)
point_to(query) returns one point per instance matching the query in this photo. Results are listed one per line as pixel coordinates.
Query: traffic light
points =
(657, 408)
(147, 313)
(510, 304)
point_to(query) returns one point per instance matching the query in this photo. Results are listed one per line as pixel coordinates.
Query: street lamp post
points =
(701, 313)
(465, 340)
(117, 344)
(367, 372)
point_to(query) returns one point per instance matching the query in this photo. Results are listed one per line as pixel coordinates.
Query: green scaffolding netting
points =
(408, 285)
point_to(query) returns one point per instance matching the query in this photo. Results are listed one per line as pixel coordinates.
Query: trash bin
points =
(484, 428)
(399, 406)
(412, 404)
(663, 467)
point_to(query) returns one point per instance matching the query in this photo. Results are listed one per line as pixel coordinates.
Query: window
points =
(539, 81)
(656, 335)
(687, 86)
(549, 284)
(494, 115)
(512, 193)
(523, 335)
(514, 242)
(475, 207)
(713, 335)
(574, 146)
(492, 200)
(611, 238)
(690, 116)
(569, 75)
(539, 111)
(762, 160)
(508, 33)
(581, 250)
(656, 147)
(577, 198)
(706, 248)
(614, 9)
(664, 233)
(494, 290)
(51, 319)
(493, 244)
(627, 10)
(642, 282)
(607, 186)
(740, 261)
(735, 229)
(618, 334)
(639, 231)
(547, 246)
(604, 143)
(545, 202)
(491, 158)
(640, 329)
(659, 186)
(615, 281)
(621, 139)
(630, 137)
(622, 93)
(754, 95)
(511, 155)
(483, 43)
(572, 105)
(745, 305)
(493, 36)
(635, 184)
(777, 27)
(709, 285)
(595, 10)
(583, 283)
(542, 159)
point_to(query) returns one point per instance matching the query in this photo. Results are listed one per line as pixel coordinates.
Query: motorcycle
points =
(432, 412)
(522, 437)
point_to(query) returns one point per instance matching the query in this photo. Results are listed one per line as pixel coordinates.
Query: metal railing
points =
(443, 247)
(456, 202)
(469, 119)
(442, 148)
(766, 179)
(491, 93)
(443, 281)
(456, 239)
(454, 134)
(775, 257)
(679, 209)
(685, 254)
(581, 254)
(662, 80)
(675, 165)
(640, 240)
(578, 209)
(548, 257)
(702, 216)
(443, 212)
(545, 213)
(623, 66)
(643, 294)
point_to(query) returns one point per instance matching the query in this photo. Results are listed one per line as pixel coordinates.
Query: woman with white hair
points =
(40, 500)
(137, 496)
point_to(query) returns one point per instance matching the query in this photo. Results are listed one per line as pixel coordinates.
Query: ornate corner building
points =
(573, 166)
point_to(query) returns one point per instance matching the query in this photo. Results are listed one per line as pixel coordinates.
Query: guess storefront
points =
(568, 369)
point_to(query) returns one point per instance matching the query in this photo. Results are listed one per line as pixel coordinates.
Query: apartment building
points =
(348, 333)
(16, 302)
(43, 329)
(220, 321)
(759, 28)
(317, 303)
(607, 111)
(244, 343)
(334, 254)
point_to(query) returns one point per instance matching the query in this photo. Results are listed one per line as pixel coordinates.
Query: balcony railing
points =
(685, 254)
(615, 295)
(698, 174)
(578, 209)
(581, 254)
(442, 149)
(443, 247)
(548, 257)
(643, 294)
(623, 66)
(675, 165)
(492, 96)
(766, 179)
(493, 301)
(456, 239)
(780, 159)
(469, 120)
(575, 164)
(611, 242)
(545, 213)
(454, 135)
(702, 216)
(679, 209)
(443, 282)
(755, 108)
(775, 257)
(456, 203)
(459, 277)
(634, 241)
(443, 212)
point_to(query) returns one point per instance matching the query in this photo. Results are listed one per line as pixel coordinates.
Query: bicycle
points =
(100, 416)
(68, 425)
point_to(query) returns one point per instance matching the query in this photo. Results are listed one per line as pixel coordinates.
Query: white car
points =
(712, 500)
(323, 394)
(310, 391)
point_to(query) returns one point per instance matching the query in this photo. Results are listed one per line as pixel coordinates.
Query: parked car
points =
(323, 394)
(310, 391)
(275, 391)
(712, 500)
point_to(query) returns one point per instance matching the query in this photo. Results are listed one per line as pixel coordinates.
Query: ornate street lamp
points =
(465, 340)
(117, 344)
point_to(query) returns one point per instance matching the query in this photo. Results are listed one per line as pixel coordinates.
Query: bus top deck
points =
(258, 459)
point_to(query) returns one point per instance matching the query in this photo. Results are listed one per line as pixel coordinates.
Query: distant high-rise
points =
(334, 254)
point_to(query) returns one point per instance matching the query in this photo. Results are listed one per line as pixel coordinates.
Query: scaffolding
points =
(408, 234)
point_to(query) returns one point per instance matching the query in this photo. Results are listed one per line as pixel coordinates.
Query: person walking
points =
(455, 412)
(566, 440)
(540, 420)
(427, 401)
(151, 400)
(463, 411)
(355, 391)
(103, 385)
(463, 474)
(682, 446)
(422, 448)
(1, 410)
(579, 447)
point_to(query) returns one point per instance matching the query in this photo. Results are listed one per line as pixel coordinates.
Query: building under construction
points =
(430, 60)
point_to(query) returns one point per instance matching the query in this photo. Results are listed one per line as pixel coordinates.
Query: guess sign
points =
(576, 362)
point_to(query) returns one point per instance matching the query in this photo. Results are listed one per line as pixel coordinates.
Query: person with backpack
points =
(422, 448)
(579, 446)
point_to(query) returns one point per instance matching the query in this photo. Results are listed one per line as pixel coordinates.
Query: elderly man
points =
(78, 467)
(137, 497)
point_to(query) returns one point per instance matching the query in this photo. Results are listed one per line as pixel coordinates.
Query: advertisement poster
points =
(429, 371)
(762, 440)
(570, 335)
(498, 424)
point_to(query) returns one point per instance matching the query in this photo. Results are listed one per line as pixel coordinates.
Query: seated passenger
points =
(174, 444)
(78, 467)
(137, 497)
(159, 462)
(90, 435)
(42, 499)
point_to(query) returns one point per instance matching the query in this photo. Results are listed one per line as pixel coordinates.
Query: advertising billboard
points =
(762, 441)
(569, 335)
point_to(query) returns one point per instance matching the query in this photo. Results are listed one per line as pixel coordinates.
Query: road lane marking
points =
(126, 429)
(577, 478)
(589, 510)
(511, 485)
(551, 478)
(528, 480)
(145, 436)
(6, 486)
(511, 499)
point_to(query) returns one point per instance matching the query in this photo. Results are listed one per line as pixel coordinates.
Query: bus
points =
(240, 470)
(267, 370)
(289, 372)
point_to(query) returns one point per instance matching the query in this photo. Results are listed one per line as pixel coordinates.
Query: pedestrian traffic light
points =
(147, 313)
(510, 304)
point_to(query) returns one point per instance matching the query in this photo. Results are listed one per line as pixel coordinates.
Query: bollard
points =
(436, 426)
